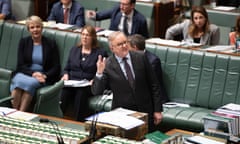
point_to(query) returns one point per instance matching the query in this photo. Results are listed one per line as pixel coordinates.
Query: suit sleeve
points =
(80, 19)
(106, 14)
(52, 13)
(155, 87)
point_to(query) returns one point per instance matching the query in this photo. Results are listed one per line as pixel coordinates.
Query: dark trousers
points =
(75, 99)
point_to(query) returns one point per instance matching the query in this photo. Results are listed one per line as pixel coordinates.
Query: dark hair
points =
(237, 25)
(202, 10)
(137, 40)
(132, 1)
(92, 32)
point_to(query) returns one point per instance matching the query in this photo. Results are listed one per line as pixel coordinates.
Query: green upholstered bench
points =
(201, 79)
(46, 98)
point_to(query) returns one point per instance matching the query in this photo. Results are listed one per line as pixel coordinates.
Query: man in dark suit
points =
(141, 92)
(136, 22)
(69, 12)
(5, 9)
(137, 42)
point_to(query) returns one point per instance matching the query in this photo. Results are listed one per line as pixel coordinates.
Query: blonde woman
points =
(37, 65)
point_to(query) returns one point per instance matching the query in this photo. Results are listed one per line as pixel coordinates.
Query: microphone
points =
(55, 127)
(93, 129)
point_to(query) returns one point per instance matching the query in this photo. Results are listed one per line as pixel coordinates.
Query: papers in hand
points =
(77, 83)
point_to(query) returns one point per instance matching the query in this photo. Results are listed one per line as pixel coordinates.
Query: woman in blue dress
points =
(81, 65)
(38, 65)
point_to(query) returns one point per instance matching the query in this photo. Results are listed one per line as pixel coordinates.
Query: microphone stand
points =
(93, 129)
(56, 129)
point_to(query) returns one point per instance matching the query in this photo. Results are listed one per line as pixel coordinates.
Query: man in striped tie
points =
(130, 77)
(68, 12)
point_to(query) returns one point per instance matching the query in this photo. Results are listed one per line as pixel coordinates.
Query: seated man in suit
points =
(137, 42)
(129, 75)
(68, 12)
(124, 17)
(5, 9)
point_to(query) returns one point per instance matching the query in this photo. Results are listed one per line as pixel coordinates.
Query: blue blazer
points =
(80, 67)
(5, 8)
(76, 16)
(139, 25)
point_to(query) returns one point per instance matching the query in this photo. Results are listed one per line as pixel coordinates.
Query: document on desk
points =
(117, 119)
(22, 115)
(219, 48)
(202, 140)
(224, 8)
(5, 111)
(77, 83)
(164, 41)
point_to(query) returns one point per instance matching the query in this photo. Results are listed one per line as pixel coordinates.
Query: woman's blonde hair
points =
(33, 19)
(192, 28)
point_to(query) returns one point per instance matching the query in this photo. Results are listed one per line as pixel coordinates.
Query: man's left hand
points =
(157, 117)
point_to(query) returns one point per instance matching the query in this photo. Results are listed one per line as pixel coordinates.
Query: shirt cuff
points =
(99, 76)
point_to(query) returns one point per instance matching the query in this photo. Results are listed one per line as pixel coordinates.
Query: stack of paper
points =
(202, 140)
(220, 48)
(164, 42)
(118, 118)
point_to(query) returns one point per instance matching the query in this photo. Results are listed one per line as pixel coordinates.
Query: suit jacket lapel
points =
(204, 38)
(116, 67)
(134, 62)
(118, 18)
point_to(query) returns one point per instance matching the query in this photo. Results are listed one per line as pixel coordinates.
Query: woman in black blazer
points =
(81, 65)
(38, 65)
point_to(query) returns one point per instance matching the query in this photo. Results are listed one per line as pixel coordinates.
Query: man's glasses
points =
(122, 44)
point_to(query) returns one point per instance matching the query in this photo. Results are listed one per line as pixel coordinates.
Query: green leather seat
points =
(46, 100)
(5, 77)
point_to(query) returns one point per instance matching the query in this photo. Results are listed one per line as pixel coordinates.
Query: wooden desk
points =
(178, 131)
(64, 122)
